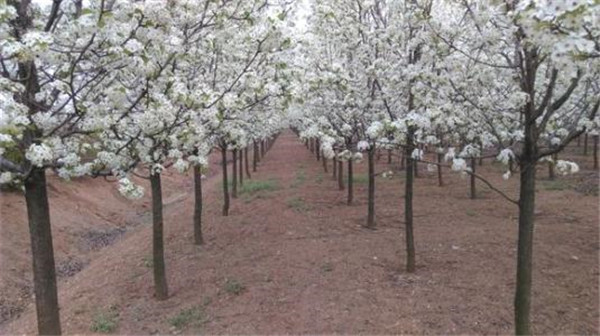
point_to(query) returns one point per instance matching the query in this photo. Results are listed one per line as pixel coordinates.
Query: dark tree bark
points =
(160, 279)
(408, 202)
(439, 169)
(247, 164)
(234, 181)
(325, 164)
(389, 156)
(371, 193)
(198, 240)
(241, 167)
(525, 246)
(585, 144)
(255, 155)
(473, 186)
(42, 251)
(225, 182)
(318, 149)
(262, 149)
(341, 175)
(350, 182)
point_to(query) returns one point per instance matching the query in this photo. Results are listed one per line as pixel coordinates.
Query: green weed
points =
(105, 321)
(233, 286)
(297, 203)
(193, 316)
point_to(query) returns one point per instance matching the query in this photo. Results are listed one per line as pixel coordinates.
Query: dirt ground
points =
(294, 259)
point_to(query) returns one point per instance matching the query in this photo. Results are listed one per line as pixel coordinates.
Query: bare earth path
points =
(294, 259)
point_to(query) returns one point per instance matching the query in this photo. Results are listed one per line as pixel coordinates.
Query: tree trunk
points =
(234, 181)
(325, 164)
(525, 247)
(198, 240)
(246, 161)
(255, 156)
(585, 144)
(408, 203)
(160, 279)
(318, 150)
(596, 151)
(341, 175)
(262, 148)
(439, 169)
(241, 170)
(473, 189)
(42, 253)
(350, 182)
(389, 156)
(225, 182)
(371, 194)
(335, 165)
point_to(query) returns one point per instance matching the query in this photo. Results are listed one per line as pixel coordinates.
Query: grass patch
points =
(253, 189)
(555, 185)
(471, 213)
(234, 287)
(254, 186)
(298, 204)
(148, 262)
(360, 178)
(319, 178)
(300, 179)
(193, 316)
(105, 322)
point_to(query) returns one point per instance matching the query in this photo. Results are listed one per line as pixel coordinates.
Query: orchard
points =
(207, 118)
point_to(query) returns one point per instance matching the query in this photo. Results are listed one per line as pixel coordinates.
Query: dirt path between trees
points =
(293, 258)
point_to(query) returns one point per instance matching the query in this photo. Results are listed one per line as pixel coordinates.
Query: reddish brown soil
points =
(307, 265)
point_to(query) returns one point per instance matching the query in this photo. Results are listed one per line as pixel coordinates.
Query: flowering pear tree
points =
(58, 62)
(527, 72)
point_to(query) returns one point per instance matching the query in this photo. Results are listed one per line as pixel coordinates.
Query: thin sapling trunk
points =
(198, 240)
(225, 181)
(371, 195)
(234, 181)
(42, 252)
(158, 254)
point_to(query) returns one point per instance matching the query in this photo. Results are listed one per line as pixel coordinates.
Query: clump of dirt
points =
(9, 310)
(12, 307)
(69, 267)
(97, 239)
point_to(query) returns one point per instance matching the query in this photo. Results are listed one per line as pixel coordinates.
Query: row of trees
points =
(120, 88)
(515, 80)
